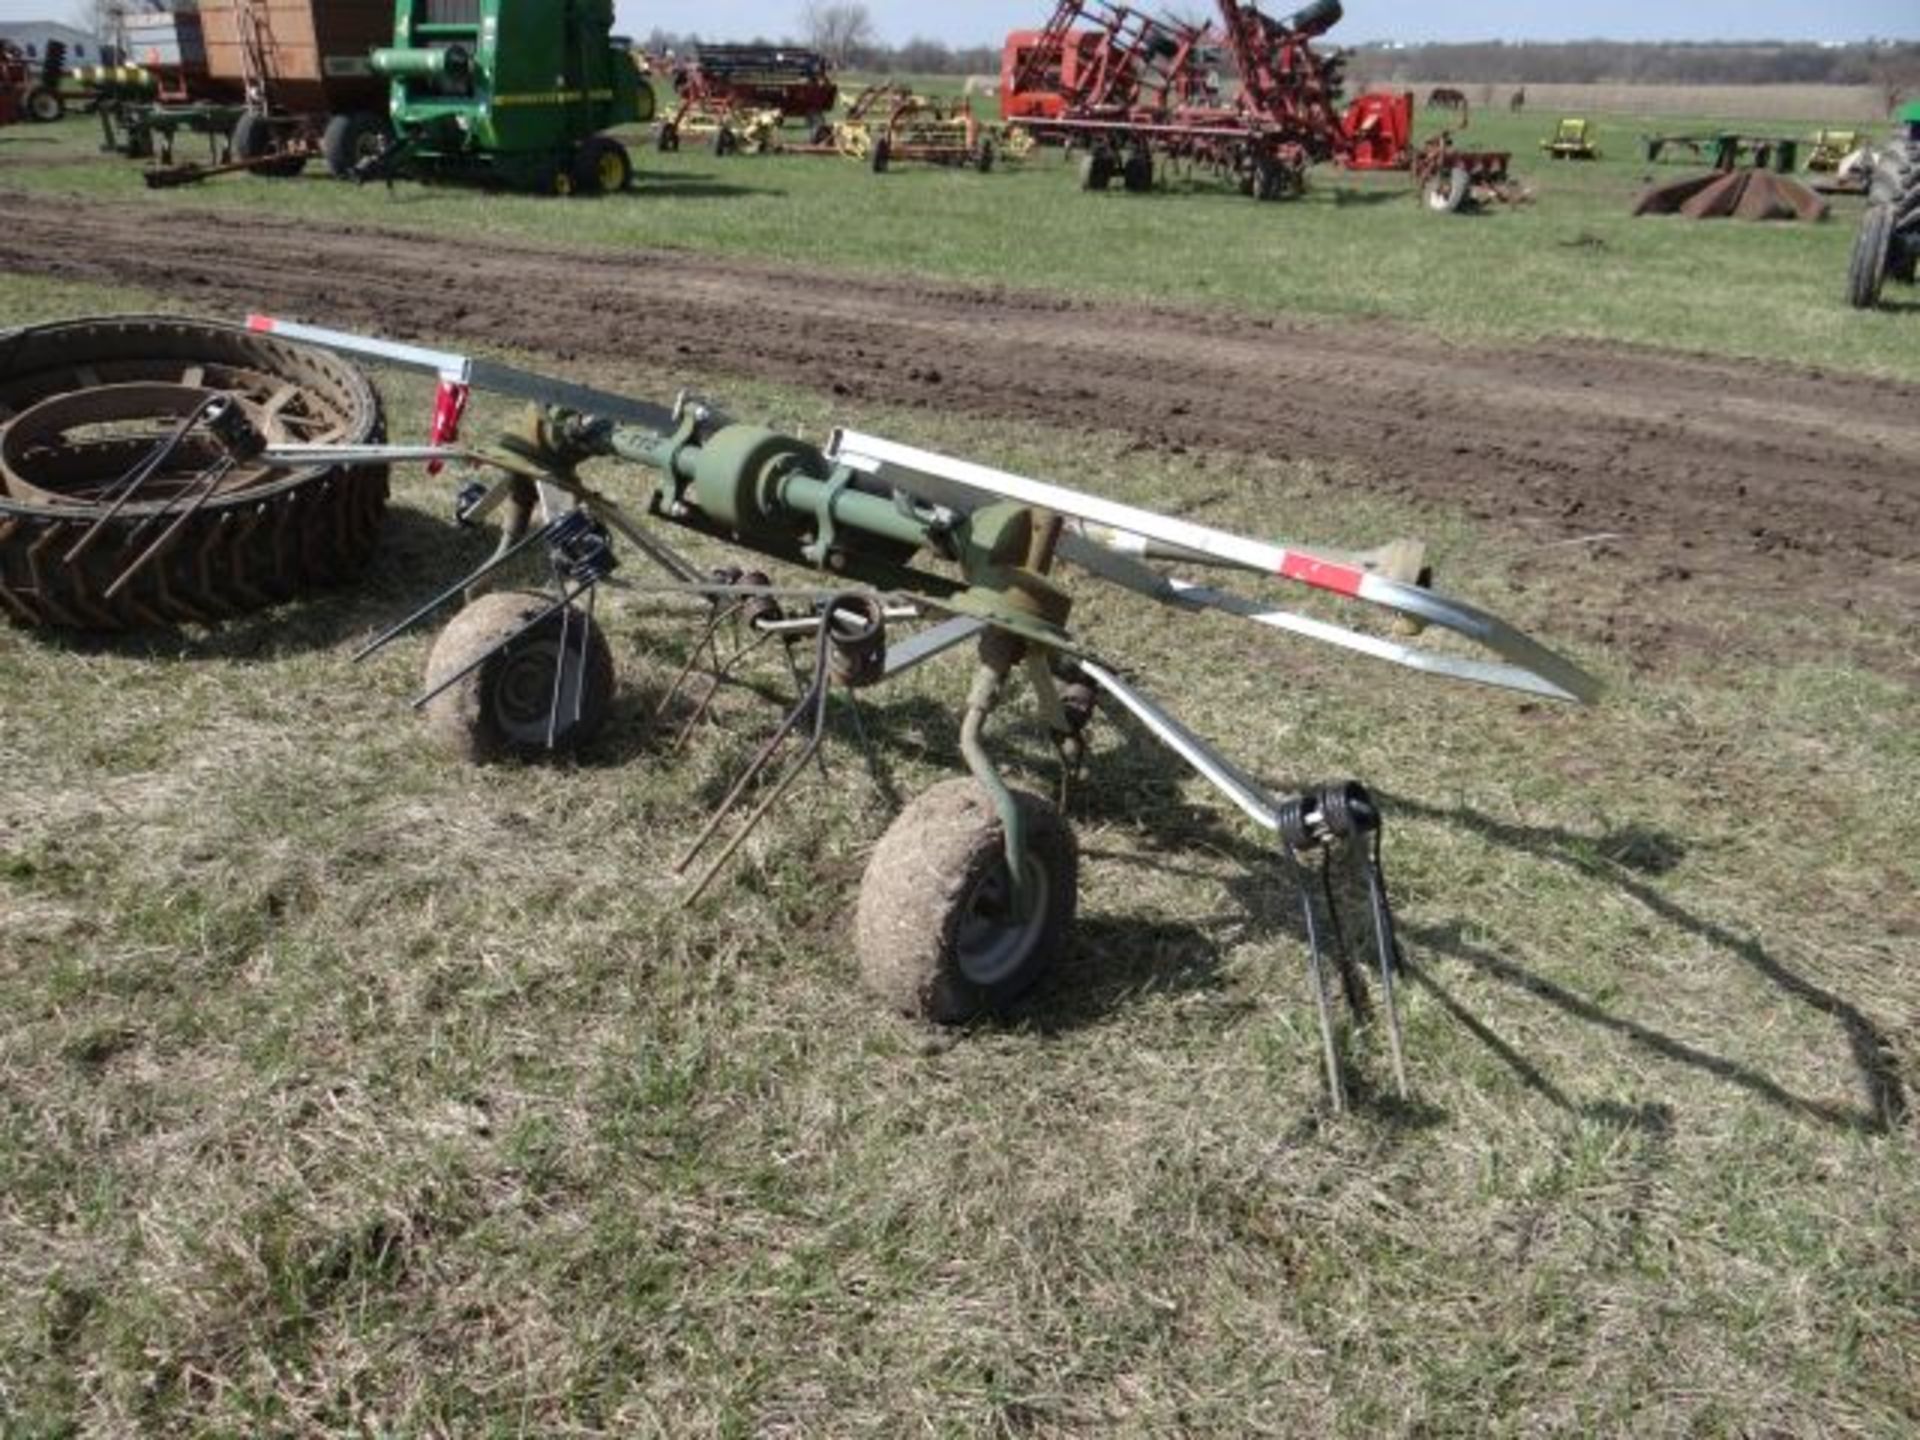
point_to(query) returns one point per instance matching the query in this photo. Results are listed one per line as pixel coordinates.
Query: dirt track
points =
(1773, 485)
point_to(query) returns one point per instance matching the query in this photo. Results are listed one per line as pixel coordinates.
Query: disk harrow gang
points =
(972, 893)
(121, 505)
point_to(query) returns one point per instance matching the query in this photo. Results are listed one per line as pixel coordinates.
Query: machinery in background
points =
(30, 89)
(270, 86)
(741, 96)
(1251, 98)
(511, 93)
(1572, 139)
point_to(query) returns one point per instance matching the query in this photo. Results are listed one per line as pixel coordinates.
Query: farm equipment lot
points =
(343, 1089)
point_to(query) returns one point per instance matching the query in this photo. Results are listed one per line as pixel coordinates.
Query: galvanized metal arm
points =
(1520, 663)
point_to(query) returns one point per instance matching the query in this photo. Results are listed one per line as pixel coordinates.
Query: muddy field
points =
(1789, 488)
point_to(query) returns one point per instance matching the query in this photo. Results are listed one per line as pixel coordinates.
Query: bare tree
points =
(840, 32)
(1896, 73)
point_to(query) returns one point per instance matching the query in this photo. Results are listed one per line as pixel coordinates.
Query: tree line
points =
(1602, 62)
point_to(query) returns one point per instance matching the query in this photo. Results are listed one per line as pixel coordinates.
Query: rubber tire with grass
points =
(351, 139)
(502, 710)
(44, 106)
(601, 166)
(1447, 193)
(928, 945)
(1137, 175)
(1867, 273)
(1096, 170)
(252, 140)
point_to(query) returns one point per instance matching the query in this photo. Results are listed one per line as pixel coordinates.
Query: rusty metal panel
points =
(312, 56)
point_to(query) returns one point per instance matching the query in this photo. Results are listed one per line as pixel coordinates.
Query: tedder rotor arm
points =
(1519, 663)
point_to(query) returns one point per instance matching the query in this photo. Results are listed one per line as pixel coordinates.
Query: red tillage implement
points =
(1252, 99)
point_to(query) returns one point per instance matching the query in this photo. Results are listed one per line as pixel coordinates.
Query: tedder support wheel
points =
(667, 138)
(85, 404)
(1138, 175)
(984, 157)
(882, 157)
(1867, 274)
(934, 932)
(1096, 170)
(601, 167)
(45, 106)
(506, 708)
(350, 139)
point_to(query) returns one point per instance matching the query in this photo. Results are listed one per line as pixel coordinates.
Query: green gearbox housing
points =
(514, 93)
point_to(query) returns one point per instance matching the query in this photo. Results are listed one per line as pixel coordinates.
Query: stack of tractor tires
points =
(119, 509)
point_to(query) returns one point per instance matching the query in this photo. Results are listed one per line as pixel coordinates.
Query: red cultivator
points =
(1128, 88)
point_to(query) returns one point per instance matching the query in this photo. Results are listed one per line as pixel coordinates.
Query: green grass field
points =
(1575, 263)
(343, 1091)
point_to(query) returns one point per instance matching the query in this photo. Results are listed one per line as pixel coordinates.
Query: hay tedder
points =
(897, 556)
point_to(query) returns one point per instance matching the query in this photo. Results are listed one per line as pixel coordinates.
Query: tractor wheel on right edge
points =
(935, 934)
(506, 708)
(1867, 274)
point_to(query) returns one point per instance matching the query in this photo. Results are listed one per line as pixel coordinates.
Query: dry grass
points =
(345, 1092)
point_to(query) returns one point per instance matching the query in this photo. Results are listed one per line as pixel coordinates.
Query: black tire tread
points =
(244, 552)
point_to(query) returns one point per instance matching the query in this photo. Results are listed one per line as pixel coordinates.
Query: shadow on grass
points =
(416, 557)
(1622, 861)
(697, 187)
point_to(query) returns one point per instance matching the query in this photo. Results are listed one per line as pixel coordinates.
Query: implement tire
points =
(264, 538)
(932, 940)
(502, 711)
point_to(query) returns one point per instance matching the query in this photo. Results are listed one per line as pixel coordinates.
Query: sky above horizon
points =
(1461, 20)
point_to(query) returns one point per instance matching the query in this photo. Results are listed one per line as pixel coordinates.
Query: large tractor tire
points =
(1867, 273)
(84, 404)
(934, 931)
